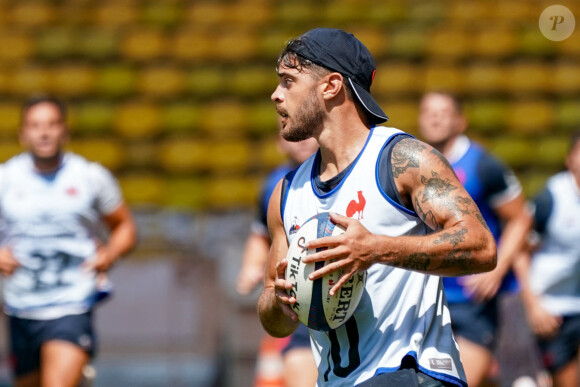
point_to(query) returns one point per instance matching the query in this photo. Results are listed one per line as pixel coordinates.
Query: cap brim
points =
(374, 112)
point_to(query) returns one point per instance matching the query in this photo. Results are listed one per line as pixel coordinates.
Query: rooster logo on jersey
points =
(356, 206)
(295, 227)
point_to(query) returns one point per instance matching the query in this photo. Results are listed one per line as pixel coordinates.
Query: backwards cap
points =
(340, 51)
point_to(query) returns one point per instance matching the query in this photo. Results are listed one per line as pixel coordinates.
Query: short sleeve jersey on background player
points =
(402, 315)
(555, 265)
(490, 183)
(52, 223)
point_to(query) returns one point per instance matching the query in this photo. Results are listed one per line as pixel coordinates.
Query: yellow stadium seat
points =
(73, 80)
(487, 115)
(297, 13)
(408, 42)
(529, 117)
(443, 76)
(161, 81)
(551, 151)
(374, 38)
(255, 14)
(568, 114)
(161, 13)
(528, 77)
(484, 77)
(185, 193)
(141, 154)
(142, 190)
(190, 45)
(28, 80)
(116, 80)
(449, 42)
(269, 154)
(10, 122)
(32, 14)
(383, 12)
(108, 152)
(518, 11)
(570, 47)
(426, 12)
(395, 78)
(494, 41)
(534, 181)
(16, 46)
(225, 119)
(205, 81)
(233, 45)
(136, 120)
(254, 80)
(184, 154)
(97, 43)
(56, 43)
(207, 14)
(92, 117)
(402, 114)
(565, 78)
(345, 13)
(143, 44)
(466, 12)
(225, 193)
(114, 13)
(530, 42)
(514, 151)
(230, 156)
(181, 117)
(9, 148)
(263, 119)
(271, 42)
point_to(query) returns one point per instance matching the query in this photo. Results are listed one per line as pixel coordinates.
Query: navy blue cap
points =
(340, 51)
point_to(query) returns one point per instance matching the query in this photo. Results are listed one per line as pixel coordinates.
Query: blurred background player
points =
(64, 224)
(292, 353)
(473, 300)
(551, 291)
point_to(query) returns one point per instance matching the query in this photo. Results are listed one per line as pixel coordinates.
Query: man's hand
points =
(8, 263)
(352, 250)
(542, 323)
(281, 287)
(101, 262)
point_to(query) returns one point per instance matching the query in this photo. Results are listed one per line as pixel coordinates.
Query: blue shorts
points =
(299, 339)
(476, 322)
(27, 337)
(563, 348)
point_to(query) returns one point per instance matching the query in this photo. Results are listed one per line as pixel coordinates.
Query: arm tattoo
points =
(435, 187)
(442, 158)
(417, 261)
(454, 238)
(428, 218)
(406, 154)
(461, 260)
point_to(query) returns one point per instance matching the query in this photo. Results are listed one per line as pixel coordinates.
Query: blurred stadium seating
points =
(180, 89)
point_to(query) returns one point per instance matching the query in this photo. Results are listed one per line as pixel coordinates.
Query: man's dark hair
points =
(33, 101)
(289, 58)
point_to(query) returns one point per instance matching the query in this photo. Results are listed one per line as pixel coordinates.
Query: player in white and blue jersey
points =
(400, 334)
(474, 300)
(552, 289)
(64, 223)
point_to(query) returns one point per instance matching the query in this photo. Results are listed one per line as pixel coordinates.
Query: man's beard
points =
(307, 120)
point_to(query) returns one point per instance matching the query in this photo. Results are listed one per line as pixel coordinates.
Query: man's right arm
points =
(274, 310)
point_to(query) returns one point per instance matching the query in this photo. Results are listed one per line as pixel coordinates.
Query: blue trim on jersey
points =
(333, 190)
(377, 179)
(289, 177)
(436, 375)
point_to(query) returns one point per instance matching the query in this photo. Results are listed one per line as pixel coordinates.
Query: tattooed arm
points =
(460, 243)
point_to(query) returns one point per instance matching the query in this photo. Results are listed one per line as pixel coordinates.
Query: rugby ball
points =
(314, 306)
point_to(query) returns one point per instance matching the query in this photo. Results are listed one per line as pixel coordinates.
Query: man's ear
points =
(333, 85)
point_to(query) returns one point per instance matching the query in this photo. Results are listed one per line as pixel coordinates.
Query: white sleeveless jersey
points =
(555, 266)
(402, 313)
(52, 225)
